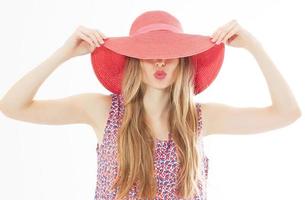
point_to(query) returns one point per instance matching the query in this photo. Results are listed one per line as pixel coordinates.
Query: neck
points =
(156, 103)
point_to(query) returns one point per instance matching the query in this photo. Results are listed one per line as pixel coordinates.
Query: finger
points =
(102, 34)
(224, 36)
(230, 34)
(217, 34)
(87, 39)
(99, 38)
(92, 36)
(225, 31)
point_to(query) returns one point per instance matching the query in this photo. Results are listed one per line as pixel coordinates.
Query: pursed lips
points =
(159, 73)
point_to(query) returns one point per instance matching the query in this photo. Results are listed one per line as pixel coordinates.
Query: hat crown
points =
(155, 20)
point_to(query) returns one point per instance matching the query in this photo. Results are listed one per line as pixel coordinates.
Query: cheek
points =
(147, 75)
(147, 71)
(174, 75)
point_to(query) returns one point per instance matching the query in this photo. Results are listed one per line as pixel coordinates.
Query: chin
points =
(160, 86)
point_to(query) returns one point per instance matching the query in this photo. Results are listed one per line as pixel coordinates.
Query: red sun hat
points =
(153, 35)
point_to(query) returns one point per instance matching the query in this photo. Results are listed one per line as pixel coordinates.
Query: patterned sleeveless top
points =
(165, 161)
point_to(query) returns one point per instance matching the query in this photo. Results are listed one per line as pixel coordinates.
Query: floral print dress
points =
(165, 161)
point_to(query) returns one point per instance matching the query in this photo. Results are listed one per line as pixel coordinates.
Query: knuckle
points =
(91, 35)
(102, 34)
(95, 32)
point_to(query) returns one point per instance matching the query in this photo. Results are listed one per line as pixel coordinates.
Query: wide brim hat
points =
(157, 35)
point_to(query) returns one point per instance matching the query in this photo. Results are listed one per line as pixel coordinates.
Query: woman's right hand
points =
(83, 40)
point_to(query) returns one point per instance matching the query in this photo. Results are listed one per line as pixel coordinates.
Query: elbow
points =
(7, 109)
(297, 113)
(288, 116)
(293, 115)
(3, 108)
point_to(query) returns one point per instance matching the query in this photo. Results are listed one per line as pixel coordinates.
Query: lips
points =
(160, 75)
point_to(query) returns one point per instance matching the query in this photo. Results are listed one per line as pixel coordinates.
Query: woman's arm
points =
(18, 103)
(221, 118)
(21, 94)
(283, 101)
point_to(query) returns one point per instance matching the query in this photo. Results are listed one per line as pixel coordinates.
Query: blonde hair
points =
(136, 141)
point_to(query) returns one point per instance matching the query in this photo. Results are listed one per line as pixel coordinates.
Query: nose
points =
(160, 62)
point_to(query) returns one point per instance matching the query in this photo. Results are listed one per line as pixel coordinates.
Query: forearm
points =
(283, 100)
(23, 91)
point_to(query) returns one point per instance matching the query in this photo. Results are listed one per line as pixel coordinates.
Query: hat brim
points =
(159, 44)
(108, 60)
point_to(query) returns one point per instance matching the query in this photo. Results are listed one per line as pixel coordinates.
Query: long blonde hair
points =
(136, 141)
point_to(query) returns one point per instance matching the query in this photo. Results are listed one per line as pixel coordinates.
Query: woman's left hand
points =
(234, 35)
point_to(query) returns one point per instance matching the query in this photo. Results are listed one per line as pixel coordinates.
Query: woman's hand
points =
(234, 35)
(83, 40)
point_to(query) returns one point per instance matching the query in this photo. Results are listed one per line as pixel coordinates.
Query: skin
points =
(92, 108)
(156, 99)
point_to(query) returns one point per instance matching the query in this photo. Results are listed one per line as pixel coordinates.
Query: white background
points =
(59, 162)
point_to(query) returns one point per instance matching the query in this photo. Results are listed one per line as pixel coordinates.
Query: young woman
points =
(149, 129)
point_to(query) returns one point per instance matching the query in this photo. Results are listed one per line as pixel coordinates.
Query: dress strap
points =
(120, 104)
(111, 123)
(200, 123)
(113, 116)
